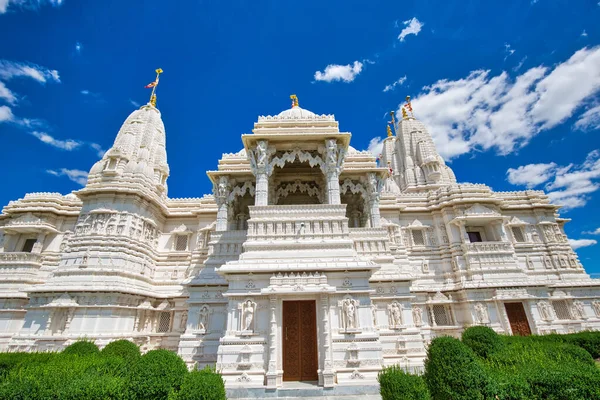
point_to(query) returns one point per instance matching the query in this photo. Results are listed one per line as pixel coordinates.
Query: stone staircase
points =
(307, 391)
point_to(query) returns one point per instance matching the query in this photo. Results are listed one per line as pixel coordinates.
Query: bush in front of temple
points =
(482, 340)
(122, 348)
(395, 384)
(82, 348)
(203, 384)
(156, 375)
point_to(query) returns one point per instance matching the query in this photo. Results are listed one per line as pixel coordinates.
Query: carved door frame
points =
(527, 330)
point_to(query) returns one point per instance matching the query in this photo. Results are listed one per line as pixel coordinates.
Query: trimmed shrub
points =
(395, 384)
(156, 375)
(10, 361)
(81, 348)
(452, 372)
(67, 377)
(122, 348)
(482, 340)
(201, 385)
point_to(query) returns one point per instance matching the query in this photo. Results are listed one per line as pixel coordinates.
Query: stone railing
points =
(227, 243)
(12, 258)
(370, 241)
(298, 222)
(489, 253)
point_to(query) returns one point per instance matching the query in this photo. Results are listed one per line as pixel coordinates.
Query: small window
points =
(517, 232)
(440, 313)
(28, 245)
(112, 164)
(181, 242)
(561, 308)
(474, 237)
(418, 237)
(164, 323)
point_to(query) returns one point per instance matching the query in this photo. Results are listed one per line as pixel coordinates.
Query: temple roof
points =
(296, 112)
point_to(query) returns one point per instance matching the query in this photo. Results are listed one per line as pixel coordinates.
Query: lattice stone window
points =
(181, 242)
(562, 309)
(164, 322)
(441, 315)
(517, 232)
(418, 237)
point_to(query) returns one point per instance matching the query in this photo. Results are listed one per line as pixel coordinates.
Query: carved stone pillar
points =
(327, 373)
(464, 236)
(259, 163)
(334, 158)
(374, 187)
(221, 191)
(37, 247)
(272, 368)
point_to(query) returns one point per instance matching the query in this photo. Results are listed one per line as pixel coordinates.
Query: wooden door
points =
(299, 341)
(518, 319)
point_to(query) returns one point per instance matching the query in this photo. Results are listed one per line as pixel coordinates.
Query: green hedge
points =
(395, 384)
(82, 348)
(482, 340)
(116, 373)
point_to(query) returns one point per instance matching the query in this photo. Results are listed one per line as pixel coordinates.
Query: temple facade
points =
(310, 261)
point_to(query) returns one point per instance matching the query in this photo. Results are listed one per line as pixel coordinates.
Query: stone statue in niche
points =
(203, 318)
(596, 306)
(183, 322)
(578, 309)
(261, 153)
(395, 315)
(545, 310)
(374, 314)
(349, 314)
(481, 313)
(248, 310)
(417, 314)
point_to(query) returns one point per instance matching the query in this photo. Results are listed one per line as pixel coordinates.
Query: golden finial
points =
(294, 99)
(389, 131)
(409, 106)
(404, 114)
(153, 85)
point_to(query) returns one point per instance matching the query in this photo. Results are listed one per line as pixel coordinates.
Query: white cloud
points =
(75, 175)
(6, 114)
(486, 112)
(568, 186)
(376, 146)
(99, 151)
(134, 103)
(7, 94)
(589, 120)
(579, 243)
(531, 175)
(584, 33)
(68, 144)
(78, 47)
(399, 82)
(413, 27)
(27, 4)
(335, 72)
(520, 64)
(595, 232)
(10, 69)
(508, 50)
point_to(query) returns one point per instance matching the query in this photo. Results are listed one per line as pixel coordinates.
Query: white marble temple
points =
(391, 255)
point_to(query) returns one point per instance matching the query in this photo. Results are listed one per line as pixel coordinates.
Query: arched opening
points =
(239, 211)
(296, 183)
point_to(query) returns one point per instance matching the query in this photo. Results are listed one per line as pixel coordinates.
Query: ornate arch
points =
(301, 155)
(241, 190)
(353, 188)
(303, 187)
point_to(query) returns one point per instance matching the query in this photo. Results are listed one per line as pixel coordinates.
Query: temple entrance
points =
(518, 319)
(299, 333)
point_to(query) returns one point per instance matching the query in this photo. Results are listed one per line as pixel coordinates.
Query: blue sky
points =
(510, 90)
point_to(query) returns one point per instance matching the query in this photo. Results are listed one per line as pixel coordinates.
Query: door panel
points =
(518, 319)
(299, 341)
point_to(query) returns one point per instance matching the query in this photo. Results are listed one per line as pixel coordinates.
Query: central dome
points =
(296, 112)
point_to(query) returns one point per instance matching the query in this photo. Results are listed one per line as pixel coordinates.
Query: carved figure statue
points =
(545, 310)
(374, 314)
(203, 318)
(596, 305)
(261, 153)
(578, 309)
(482, 313)
(248, 315)
(183, 322)
(349, 314)
(223, 187)
(417, 314)
(395, 314)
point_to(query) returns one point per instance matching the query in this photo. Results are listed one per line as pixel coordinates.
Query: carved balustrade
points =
(489, 253)
(15, 265)
(370, 241)
(227, 243)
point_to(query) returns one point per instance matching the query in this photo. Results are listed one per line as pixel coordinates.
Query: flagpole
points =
(153, 95)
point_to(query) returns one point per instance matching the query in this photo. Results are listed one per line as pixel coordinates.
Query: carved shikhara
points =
(392, 253)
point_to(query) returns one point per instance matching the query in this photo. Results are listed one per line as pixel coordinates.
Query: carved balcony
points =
(371, 241)
(489, 254)
(19, 266)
